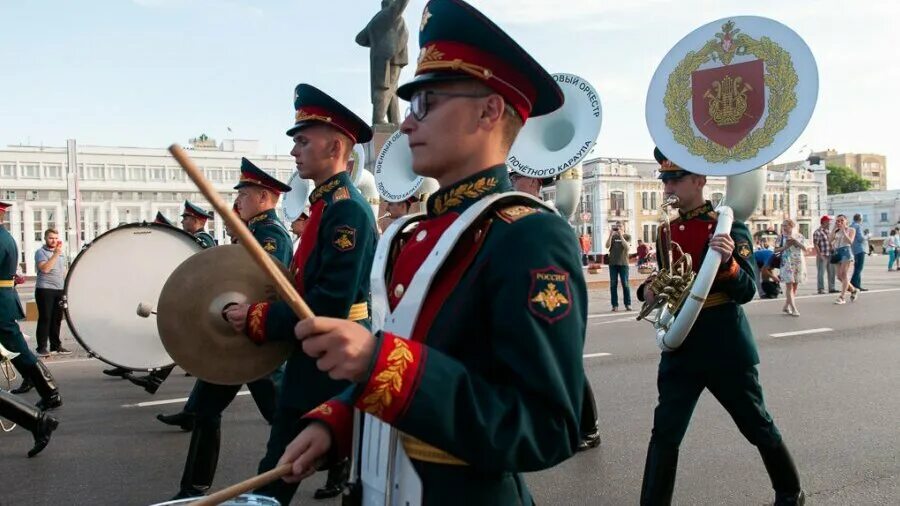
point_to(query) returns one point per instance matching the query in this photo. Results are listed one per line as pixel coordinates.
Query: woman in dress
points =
(792, 248)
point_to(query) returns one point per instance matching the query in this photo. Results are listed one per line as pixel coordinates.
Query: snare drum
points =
(241, 500)
(121, 269)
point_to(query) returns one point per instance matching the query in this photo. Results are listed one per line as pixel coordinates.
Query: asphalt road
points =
(830, 378)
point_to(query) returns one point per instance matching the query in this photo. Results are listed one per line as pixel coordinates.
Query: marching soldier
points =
(489, 382)
(718, 354)
(32, 370)
(193, 221)
(258, 194)
(331, 269)
(39, 423)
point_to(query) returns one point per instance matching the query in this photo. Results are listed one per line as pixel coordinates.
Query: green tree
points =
(844, 180)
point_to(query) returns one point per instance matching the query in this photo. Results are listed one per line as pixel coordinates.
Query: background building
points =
(627, 191)
(118, 185)
(869, 166)
(880, 210)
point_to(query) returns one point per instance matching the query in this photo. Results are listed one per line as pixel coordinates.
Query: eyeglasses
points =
(418, 103)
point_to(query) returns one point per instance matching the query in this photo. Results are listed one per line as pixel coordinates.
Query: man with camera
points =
(618, 243)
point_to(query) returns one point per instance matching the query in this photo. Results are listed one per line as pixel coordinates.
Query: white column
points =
(631, 207)
(29, 239)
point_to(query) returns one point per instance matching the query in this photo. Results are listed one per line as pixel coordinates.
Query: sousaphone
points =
(394, 176)
(729, 98)
(294, 202)
(555, 144)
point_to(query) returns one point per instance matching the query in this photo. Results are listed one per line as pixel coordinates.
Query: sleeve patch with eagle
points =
(344, 238)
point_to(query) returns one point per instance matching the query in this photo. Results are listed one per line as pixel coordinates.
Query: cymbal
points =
(191, 325)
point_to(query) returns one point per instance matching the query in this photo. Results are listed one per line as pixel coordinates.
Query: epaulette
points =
(341, 194)
(515, 212)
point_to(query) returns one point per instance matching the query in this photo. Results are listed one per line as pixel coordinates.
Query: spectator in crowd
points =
(841, 240)
(618, 245)
(869, 245)
(48, 292)
(822, 245)
(859, 248)
(771, 283)
(762, 256)
(643, 251)
(585, 242)
(792, 248)
(892, 248)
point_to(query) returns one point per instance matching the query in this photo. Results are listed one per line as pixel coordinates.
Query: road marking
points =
(595, 355)
(621, 320)
(70, 361)
(607, 315)
(801, 332)
(862, 295)
(167, 401)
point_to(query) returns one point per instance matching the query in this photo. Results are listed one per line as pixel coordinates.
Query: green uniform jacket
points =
(205, 239)
(272, 236)
(331, 271)
(492, 375)
(721, 337)
(10, 305)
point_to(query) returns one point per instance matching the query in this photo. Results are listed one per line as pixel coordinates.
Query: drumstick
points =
(245, 486)
(245, 238)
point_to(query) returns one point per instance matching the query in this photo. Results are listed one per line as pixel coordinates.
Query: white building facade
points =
(118, 185)
(880, 210)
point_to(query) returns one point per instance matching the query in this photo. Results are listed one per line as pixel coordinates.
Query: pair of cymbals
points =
(193, 329)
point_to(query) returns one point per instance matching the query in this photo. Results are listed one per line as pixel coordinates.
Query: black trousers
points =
(737, 390)
(285, 428)
(589, 420)
(50, 316)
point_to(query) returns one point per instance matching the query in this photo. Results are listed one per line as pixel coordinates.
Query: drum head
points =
(241, 500)
(121, 269)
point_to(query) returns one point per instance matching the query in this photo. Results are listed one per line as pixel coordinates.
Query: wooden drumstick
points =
(245, 238)
(245, 486)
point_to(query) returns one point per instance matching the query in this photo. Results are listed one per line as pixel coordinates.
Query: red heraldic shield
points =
(729, 101)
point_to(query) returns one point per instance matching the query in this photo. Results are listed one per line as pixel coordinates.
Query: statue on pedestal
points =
(387, 37)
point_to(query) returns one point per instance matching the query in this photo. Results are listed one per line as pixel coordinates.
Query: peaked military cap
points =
(458, 42)
(196, 211)
(162, 220)
(251, 175)
(5, 205)
(312, 105)
(667, 169)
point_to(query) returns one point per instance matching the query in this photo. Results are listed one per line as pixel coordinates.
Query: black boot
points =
(202, 459)
(118, 372)
(784, 475)
(39, 423)
(43, 381)
(589, 440)
(149, 382)
(25, 387)
(337, 480)
(659, 475)
(181, 419)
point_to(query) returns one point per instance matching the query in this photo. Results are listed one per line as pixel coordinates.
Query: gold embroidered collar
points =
(462, 194)
(704, 209)
(333, 183)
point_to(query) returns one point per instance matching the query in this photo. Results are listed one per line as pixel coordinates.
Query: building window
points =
(93, 172)
(136, 173)
(31, 170)
(214, 175)
(117, 172)
(157, 173)
(52, 171)
(8, 170)
(617, 200)
(804, 229)
(865, 218)
(645, 200)
(650, 233)
(803, 202)
(33, 195)
(653, 200)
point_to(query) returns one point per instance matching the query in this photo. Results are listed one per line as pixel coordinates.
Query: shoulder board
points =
(515, 212)
(341, 194)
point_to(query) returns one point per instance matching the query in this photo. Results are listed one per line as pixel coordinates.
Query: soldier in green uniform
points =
(31, 369)
(718, 354)
(193, 221)
(330, 268)
(258, 194)
(489, 382)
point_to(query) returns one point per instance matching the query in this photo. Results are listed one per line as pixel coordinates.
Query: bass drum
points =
(109, 278)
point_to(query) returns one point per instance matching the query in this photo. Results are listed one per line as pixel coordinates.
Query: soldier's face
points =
(249, 203)
(687, 188)
(298, 226)
(189, 224)
(449, 133)
(313, 151)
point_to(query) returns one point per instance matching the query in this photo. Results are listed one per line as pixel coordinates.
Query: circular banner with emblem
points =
(732, 96)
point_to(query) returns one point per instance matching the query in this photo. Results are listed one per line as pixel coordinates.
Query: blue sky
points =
(152, 72)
